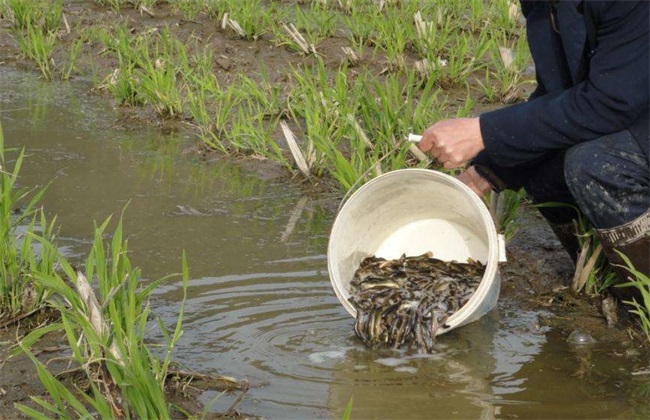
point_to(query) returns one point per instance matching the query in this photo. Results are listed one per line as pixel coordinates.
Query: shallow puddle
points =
(259, 303)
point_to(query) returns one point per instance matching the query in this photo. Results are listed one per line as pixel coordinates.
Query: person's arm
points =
(611, 99)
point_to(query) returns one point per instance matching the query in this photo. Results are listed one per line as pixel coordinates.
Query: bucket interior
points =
(410, 212)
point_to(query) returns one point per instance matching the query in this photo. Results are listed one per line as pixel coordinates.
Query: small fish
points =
(406, 301)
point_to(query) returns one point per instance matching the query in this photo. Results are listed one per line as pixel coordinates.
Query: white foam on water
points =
(406, 369)
(321, 356)
(391, 361)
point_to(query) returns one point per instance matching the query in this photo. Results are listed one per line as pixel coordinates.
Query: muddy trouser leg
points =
(609, 179)
(544, 182)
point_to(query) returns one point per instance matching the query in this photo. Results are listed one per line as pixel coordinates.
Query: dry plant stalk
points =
(146, 10)
(583, 268)
(295, 149)
(65, 22)
(351, 56)
(513, 11)
(94, 313)
(226, 22)
(422, 28)
(306, 47)
(507, 57)
(419, 154)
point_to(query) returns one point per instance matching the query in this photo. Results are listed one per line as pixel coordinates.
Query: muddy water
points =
(259, 302)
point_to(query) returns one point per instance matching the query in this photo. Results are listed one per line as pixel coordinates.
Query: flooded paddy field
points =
(260, 306)
(189, 177)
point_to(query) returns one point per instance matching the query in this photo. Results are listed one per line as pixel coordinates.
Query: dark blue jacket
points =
(584, 91)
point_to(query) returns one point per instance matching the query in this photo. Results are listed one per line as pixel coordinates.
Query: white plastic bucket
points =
(413, 211)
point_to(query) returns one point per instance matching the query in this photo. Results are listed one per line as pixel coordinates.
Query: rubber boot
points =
(566, 234)
(633, 240)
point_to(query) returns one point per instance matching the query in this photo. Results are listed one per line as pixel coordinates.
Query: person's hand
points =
(453, 142)
(476, 182)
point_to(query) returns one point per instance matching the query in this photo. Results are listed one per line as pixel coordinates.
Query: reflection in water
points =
(260, 305)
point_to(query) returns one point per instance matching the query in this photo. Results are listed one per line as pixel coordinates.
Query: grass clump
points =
(20, 217)
(106, 331)
(35, 28)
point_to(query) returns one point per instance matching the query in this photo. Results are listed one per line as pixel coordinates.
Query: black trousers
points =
(606, 180)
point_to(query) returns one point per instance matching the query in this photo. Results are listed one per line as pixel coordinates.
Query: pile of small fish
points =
(407, 300)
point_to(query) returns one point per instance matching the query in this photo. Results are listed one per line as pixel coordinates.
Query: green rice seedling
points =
(251, 132)
(506, 73)
(433, 36)
(196, 101)
(397, 106)
(323, 129)
(158, 82)
(71, 66)
(317, 19)
(264, 93)
(151, 69)
(53, 15)
(347, 414)
(123, 85)
(249, 19)
(507, 211)
(201, 87)
(211, 107)
(105, 326)
(358, 145)
(358, 24)
(19, 256)
(22, 12)
(38, 47)
(503, 15)
(394, 37)
(464, 59)
(641, 282)
(466, 110)
(35, 25)
(114, 4)
(322, 103)
(139, 4)
(118, 41)
(46, 15)
(392, 21)
(477, 12)
(189, 8)
(162, 59)
(226, 101)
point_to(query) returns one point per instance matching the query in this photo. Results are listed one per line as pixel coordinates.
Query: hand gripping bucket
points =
(413, 211)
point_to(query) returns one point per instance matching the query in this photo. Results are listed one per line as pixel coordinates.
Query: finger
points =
(426, 143)
(451, 163)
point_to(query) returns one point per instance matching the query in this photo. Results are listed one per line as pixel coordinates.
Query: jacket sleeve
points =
(614, 94)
